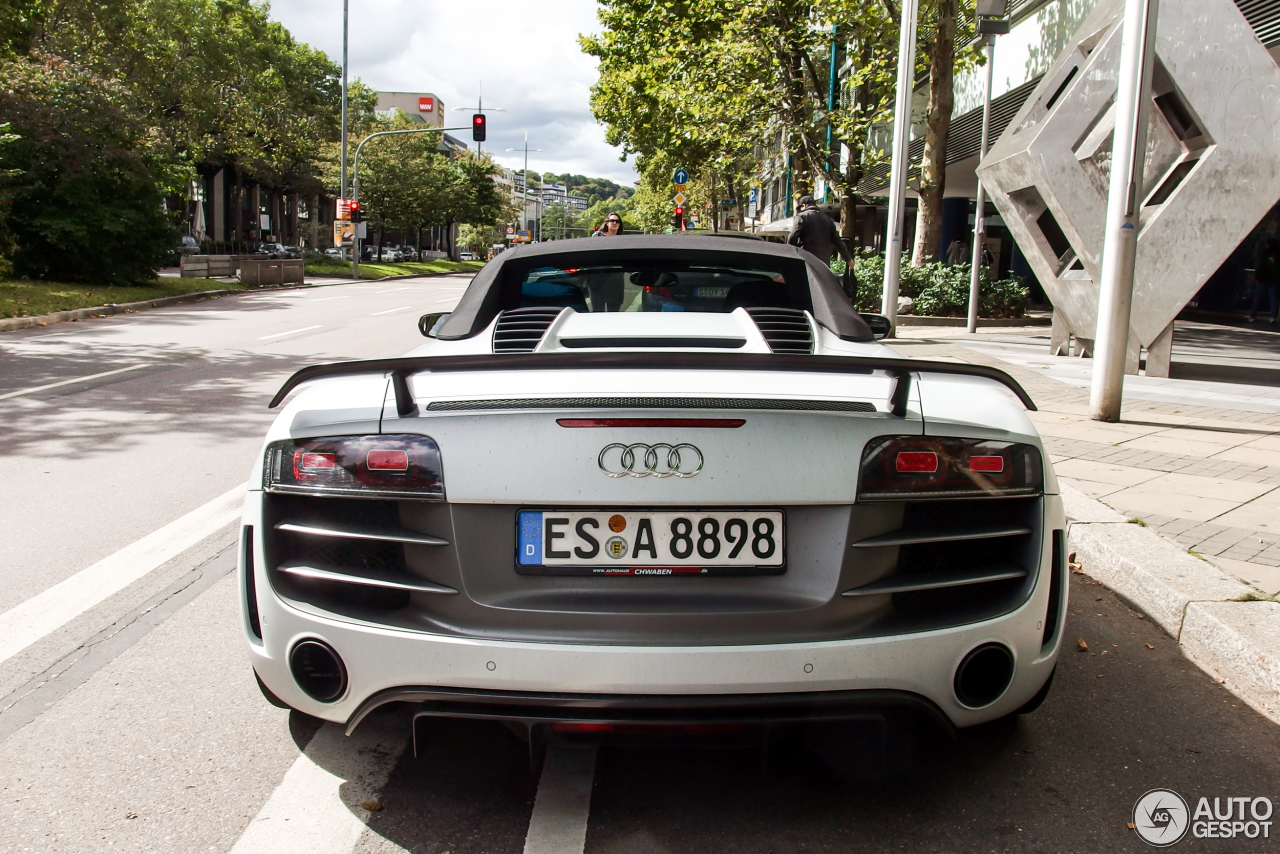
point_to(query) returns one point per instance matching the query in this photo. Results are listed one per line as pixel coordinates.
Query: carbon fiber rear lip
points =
(648, 709)
(400, 369)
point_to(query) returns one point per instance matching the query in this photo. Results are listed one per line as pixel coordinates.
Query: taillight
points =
(895, 468)
(356, 466)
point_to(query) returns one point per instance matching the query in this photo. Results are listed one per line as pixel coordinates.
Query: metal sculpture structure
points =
(1212, 167)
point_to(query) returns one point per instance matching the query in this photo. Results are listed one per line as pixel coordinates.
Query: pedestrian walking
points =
(611, 227)
(816, 233)
(1266, 270)
(955, 252)
(986, 259)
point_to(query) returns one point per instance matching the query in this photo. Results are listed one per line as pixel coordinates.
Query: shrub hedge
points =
(939, 290)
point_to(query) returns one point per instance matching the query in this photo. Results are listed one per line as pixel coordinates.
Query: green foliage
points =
(85, 202)
(217, 80)
(940, 290)
(595, 189)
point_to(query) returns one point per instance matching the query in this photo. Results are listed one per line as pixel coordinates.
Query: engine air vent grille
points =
(520, 329)
(785, 329)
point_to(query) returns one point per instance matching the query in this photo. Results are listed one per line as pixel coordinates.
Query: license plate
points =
(650, 542)
(710, 292)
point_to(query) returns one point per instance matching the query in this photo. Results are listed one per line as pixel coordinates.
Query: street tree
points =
(81, 176)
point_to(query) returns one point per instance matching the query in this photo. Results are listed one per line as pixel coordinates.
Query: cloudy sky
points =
(526, 53)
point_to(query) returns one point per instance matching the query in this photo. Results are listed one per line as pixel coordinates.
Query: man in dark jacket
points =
(816, 233)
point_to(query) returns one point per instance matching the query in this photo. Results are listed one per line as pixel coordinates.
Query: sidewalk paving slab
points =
(1218, 620)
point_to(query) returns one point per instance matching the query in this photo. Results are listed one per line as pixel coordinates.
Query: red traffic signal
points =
(679, 211)
(357, 214)
(477, 127)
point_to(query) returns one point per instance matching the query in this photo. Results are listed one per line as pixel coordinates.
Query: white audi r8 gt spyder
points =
(665, 483)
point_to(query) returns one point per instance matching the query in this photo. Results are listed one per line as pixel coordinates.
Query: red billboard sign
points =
(426, 105)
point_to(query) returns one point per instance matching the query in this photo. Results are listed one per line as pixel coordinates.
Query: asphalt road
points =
(136, 725)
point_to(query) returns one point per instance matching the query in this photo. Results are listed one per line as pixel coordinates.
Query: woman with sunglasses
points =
(607, 289)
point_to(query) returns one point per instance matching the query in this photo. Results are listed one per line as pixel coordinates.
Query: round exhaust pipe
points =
(318, 670)
(983, 675)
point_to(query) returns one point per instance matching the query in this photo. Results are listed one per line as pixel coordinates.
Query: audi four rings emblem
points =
(661, 460)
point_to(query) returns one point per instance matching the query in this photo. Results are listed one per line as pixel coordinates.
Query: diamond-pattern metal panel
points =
(1212, 164)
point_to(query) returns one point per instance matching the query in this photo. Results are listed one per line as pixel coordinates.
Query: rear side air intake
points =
(786, 330)
(520, 329)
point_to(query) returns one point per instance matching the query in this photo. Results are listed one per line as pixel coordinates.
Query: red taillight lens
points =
(356, 466)
(917, 461)
(896, 468)
(307, 463)
(986, 464)
(388, 459)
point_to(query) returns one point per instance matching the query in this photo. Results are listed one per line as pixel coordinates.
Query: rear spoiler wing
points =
(401, 369)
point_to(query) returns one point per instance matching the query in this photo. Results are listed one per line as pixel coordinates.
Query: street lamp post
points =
(1124, 209)
(355, 186)
(990, 22)
(900, 162)
(480, 108)
(342, 181)
(525, 176)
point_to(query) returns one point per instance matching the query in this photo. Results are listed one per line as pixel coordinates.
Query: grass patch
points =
(380, 270)
(1254, 596)
(29, 297)
(1141, 523)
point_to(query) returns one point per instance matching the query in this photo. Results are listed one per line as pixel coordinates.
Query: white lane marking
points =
(46, 612)
(71, 381)
(290, 332)
(559, 821)
(391, 310)
(317, 809)
(326, 299)
(391, 290)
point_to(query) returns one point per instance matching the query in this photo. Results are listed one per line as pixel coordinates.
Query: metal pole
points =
(1124, 206)
(979, 218)
(900, 162)
(342, 182)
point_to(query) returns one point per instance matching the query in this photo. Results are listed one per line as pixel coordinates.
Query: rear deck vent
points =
(520, 329)
(785, 329)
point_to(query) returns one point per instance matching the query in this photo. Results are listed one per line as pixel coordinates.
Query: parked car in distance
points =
(273, 250)
(188, 245)
(292, 251)
(336, 252)
(466, 255)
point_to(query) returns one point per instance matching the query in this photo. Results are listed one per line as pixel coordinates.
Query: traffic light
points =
(677, 219)
(477, 127)
(357, 213)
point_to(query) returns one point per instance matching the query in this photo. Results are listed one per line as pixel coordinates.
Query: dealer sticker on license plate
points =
(650, 542)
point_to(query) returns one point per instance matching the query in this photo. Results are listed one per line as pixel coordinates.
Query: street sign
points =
(754, 203)
(344, 209)
(679, 198)
(680, 178)
(511, 229)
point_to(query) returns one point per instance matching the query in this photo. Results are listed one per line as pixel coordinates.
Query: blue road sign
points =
(680, 178)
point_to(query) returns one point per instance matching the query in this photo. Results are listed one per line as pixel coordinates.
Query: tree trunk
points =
(313, 219)
(933, 174)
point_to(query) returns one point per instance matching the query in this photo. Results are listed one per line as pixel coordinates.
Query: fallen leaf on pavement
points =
(1149, 646)
(1081, 646)
(1130, 825)
(371, 806)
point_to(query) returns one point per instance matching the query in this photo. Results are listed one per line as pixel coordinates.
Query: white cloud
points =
(526, 53)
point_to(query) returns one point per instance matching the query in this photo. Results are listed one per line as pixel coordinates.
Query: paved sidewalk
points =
(1205, 477)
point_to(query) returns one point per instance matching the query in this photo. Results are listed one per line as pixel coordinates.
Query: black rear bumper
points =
(641, 710)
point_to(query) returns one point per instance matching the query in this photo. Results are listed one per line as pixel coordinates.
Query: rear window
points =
(657, 285)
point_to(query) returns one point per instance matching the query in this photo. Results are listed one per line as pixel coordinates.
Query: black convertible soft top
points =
(484, 298)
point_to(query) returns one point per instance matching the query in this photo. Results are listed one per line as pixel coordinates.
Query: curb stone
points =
(9, 324)
(1224, 626)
